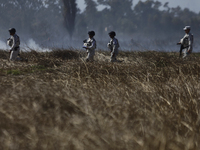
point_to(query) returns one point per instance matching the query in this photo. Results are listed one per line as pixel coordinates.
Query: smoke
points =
(3, 45)
(128, 45)
(30, 45)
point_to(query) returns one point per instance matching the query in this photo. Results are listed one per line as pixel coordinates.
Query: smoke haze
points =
(3, 45)
(145, 25)
(30, 45)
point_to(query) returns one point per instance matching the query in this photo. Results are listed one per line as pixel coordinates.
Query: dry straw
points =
(57, 101)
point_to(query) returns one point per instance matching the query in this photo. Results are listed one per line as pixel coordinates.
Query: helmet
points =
(112, 33)
(91, 33)
(12, 30)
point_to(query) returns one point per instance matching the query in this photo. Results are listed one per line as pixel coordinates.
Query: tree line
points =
(54, 19)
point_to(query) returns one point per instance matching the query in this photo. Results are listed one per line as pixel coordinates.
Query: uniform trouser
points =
(90, 55)
(14, 54)
(185, 53)
(113, 57)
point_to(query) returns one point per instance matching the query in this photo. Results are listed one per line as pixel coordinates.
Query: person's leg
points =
(185, 53)
(116, 56)
(13, 55)
(90, 56)
(181, 50)
(113, 58)
(92, 53)
(18, 56)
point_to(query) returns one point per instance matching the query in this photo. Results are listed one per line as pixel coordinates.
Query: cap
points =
(187, 28)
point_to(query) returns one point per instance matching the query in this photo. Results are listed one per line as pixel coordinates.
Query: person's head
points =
(187, 29)
(112, 34)
(12, 31)
(91, 34)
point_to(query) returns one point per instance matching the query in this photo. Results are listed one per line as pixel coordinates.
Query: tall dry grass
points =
(57, 101)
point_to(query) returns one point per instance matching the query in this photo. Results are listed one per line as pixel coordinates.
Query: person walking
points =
(113, 45)
(186, 42)
(90, 46)
(14, 43)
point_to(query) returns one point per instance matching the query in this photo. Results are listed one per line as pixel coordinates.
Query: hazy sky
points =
(193, 5)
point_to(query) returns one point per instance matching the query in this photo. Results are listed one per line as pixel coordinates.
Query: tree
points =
(118, 7)
(117, 14)
(19, 14)
(45, 22)
(148, 16)
(90, 13)
(69, 13)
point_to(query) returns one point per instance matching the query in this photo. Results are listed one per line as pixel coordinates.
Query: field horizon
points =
(56, 100)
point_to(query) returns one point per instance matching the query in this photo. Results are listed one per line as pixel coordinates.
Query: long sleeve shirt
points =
(187, 41)
(113, 45)
(15, 42)
(91, 44)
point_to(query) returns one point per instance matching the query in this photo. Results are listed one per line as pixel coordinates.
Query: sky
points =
(193, 5)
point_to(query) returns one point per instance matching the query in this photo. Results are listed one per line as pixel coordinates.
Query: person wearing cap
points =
(186, 42)
(14, 43)
(113, 45)
(90, 46)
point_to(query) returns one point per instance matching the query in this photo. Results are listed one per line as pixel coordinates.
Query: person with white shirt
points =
(90, 46)
(113, 45)
(186, 42)
(14, 43)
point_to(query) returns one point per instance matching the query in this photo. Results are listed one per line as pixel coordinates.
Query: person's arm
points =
(190, 42)
(115, 46)
(14, 45)
(93, 45)
(109, 45)
(181, 41)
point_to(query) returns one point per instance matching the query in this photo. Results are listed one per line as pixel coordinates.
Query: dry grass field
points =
(56, 101)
